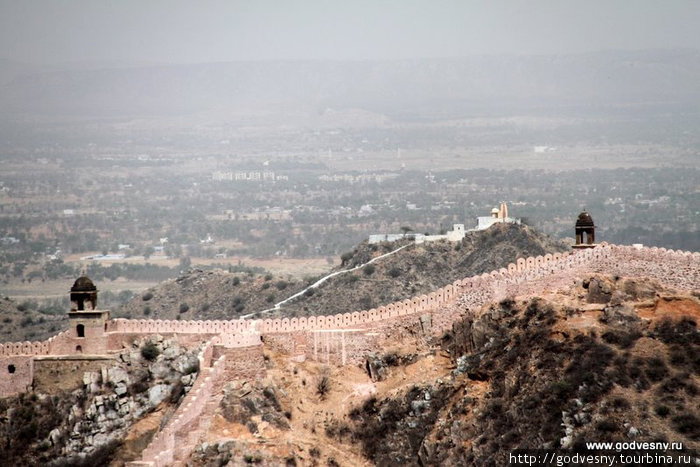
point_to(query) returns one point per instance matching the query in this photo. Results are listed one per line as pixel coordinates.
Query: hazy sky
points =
(176, 31)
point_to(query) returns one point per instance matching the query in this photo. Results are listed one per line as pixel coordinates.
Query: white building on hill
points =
(498, 215)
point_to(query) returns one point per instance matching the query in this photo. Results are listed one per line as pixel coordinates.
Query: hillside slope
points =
(20, 322)
(608, 358)
(415, 270)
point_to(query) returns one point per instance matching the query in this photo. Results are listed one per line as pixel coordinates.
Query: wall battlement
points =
(233, 347)
(676, 269)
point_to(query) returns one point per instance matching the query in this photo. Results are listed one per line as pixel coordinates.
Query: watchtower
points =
(585, 231)
(88, 325)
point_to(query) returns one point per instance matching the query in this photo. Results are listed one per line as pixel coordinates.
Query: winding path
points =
(278, 305)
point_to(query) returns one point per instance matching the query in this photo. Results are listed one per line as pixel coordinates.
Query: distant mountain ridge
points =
(474, 84)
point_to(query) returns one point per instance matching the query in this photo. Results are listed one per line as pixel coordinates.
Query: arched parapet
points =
(338, 320)
(372, 315)
(448, 292)
(311, 323)
(242, 325)
(530, 263)
(423, 303)
(142, 324)
(347, 319)
(512, 268)
(382, 313)
(548, 258)
(355, 317)
(158, 325)
(556, 257)
(284, 325)
(294, 324)
(187, 326)
(392, 309)
(364, 316)
(303, 324)
(521, 263)
(415, 305)
(266, 325)
(321, 322)
(431, 300)
(405, 307)
(439, 295)
(539, 261)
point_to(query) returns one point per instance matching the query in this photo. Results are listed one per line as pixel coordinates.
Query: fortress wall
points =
(176, 434)
(675, 269)
(672, 268)
(16, 374)
(243, 362)
(145, 326)
(65, 373)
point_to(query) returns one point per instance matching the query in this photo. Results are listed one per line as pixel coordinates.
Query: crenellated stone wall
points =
(343, 338)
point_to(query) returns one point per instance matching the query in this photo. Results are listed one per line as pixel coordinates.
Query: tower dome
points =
(83, 284)
(584, 220)
(83, 294)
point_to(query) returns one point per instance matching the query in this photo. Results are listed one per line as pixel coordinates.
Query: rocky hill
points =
(99, 417)
(610, 358)
(591, 357)
(23, 322)
(417, 269)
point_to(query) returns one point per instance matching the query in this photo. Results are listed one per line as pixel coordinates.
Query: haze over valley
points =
(216, 169)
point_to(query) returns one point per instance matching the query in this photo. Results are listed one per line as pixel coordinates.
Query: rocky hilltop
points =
(417, 269)
(608, 358)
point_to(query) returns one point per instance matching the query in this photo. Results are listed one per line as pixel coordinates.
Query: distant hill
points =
(417, 269)
(403, 89)
(19, 322)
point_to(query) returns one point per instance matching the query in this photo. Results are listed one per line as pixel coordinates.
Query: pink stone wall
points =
(320, 337)
(16, 375)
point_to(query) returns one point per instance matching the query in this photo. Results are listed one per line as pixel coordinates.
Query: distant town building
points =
(251, 176)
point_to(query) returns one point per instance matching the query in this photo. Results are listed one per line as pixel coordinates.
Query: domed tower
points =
(83, 295)
(88, 325)
(585, 231)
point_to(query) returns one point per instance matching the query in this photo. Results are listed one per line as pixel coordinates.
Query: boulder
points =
(158, 393)
(186, 364)
(117, 375)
